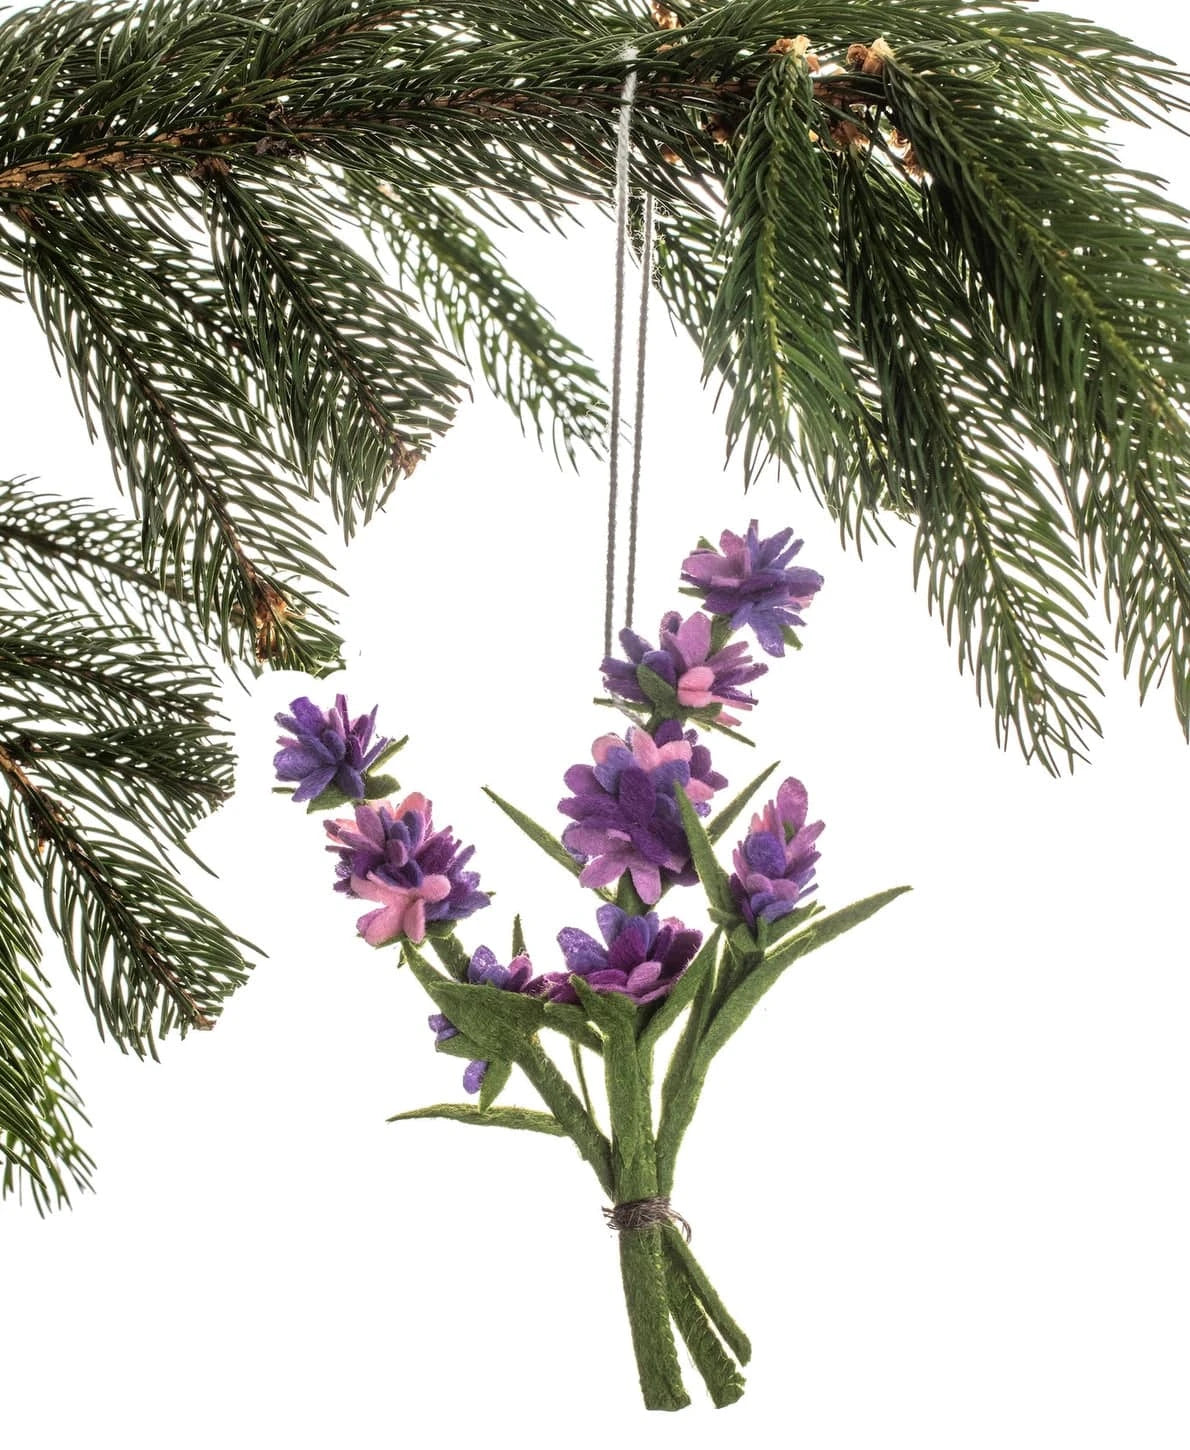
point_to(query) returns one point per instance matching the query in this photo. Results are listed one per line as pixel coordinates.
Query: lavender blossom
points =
(685, 662)
(774, 863)
(643, 957)
(325, 748)
(753, 582)
(624, 811)
(483, 970)
(392, 855)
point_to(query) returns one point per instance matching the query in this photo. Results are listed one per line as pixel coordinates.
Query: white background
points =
(941, 1177)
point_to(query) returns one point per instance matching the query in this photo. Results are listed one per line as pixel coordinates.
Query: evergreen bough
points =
(922, 279)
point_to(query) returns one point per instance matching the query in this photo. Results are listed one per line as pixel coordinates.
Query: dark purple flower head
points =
(684, 661)
(774, 863)
(642, 957)
(326, 747)
(392, 855)
(752, 581)
(625, 817)
(483, 970)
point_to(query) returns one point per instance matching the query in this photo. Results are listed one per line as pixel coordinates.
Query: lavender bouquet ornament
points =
(644, 816)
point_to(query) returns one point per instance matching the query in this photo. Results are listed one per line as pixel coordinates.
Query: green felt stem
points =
(560, 1098)
(682, 1264)
(634, 1163)
(724, 1382)
(647, 1300)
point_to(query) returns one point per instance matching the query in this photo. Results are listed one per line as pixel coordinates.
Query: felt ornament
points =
(644, 817)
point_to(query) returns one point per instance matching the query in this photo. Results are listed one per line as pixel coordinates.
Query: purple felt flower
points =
(625, 817)
(483, 970)
(392, 855)
(642, 957)
(753, 582)
(774, 863)
(684, 660)
(326, 747)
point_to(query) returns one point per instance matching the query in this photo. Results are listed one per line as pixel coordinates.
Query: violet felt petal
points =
(637, 795)
(647, 880)
(582, 952)
(792, 803)
(474, 1075)
(628, 950)
(768, 635)
(581, 780)
(314, 784)
(479, 968)
(607, 979)
(643, 978)
(603, 871)
(765, 853)
(684, 944)
(299, 758)
(610, 919)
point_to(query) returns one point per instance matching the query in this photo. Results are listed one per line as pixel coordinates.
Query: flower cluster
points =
(392, 855)
(483, 970)
(624, 814)
(752, 582)
(325, 748)
(685, 660)
(774, 863)
(642, 957)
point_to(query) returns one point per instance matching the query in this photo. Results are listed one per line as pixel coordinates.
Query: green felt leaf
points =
(682, 993)
(387, 754)
(459, 1046)
(723, 819)
(713, 877)
(661, 694)
(572, 1022)
(756, 983)
(495, 1080)
(518, 937)
(428, 976)
(526, 1118)
(502, 1023)
(552, 847)
(377, 787)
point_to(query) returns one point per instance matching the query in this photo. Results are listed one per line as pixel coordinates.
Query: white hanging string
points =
(623, 153)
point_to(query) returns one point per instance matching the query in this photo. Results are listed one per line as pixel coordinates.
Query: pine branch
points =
(998, 557)
(57, 553)
(1083, 271)
(186, 436)
(97, 801)
(39, 1103)
(774, 318)
(361, 386)
(486, 314)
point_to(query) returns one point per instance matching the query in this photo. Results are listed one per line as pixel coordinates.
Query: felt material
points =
(572, 1022)
(495, 1079)
(560, 1098)
(724, 819)
(526, 1118)
(713, 877)
(723, 1380)
(757, 982)
(668, 1011)
(552, 847)
(681, 1263)
(643, 1276)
